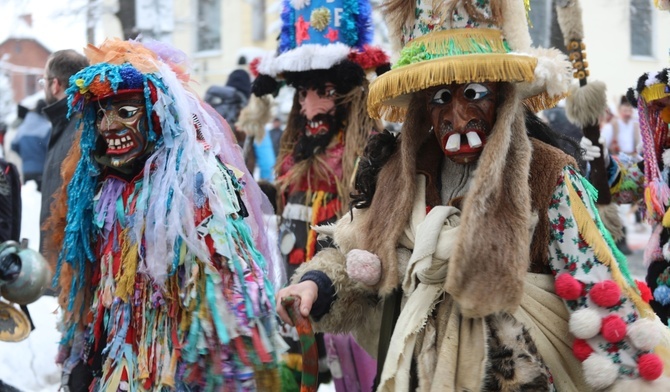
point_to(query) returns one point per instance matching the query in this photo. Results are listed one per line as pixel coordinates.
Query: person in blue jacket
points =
(31, 143)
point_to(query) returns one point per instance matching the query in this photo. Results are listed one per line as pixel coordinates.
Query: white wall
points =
(607, 38)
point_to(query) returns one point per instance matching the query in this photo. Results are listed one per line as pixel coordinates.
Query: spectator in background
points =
(31, 141)
(229, 100)
(622, 134)
(265, 157)
(59, 67)
(275, 135)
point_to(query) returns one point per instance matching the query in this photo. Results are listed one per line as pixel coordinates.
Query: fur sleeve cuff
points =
(326, 295)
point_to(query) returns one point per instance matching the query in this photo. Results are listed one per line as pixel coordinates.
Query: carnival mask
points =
(317, 106)
(121, 121)
(462, 116)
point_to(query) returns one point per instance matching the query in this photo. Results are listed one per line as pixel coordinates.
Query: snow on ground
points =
(29, 365)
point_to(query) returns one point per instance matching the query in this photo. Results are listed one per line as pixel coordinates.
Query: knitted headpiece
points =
(330, 36)
(188, 138)
(460, 41)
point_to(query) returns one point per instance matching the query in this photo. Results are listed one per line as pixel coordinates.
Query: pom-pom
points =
(581, 349)
(264, 84)
(605, 293)
(364, 267)
(666, 251)
(645, 291)
(599, 371)
(666, 157)
(585, 323)
(370, 57)
(613, 328)
(662, 295)
(650, 366)
(644, 334)
(567, 287)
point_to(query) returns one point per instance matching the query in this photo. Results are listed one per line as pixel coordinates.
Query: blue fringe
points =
(287, 33)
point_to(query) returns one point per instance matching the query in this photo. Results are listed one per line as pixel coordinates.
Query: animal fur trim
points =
(515, 26)
(553, 74)
(492, 253)
(304, 58)
(254, 116)
(585, 104)
(570, 21)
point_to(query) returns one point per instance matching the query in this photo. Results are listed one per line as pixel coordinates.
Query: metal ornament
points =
(14, 325)
(287, 242)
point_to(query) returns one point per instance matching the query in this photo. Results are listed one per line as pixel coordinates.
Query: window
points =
(641, 28)
(209, 25)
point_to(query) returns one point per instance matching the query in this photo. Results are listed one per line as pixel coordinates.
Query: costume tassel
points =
(129, 254)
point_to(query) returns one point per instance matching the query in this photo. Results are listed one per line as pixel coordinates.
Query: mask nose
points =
(108, 122)
(313, 104)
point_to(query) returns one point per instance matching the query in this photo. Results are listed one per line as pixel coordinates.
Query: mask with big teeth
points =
(121, 122)
(462, 116)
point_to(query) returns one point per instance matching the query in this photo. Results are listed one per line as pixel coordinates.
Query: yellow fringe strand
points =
(317, 204)
(654, 92)
(129, 254)
(543, 101)
(389, 94)
(591, 234)
(666, 219)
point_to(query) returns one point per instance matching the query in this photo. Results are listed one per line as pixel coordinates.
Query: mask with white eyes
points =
(462, 116)
(121, 121)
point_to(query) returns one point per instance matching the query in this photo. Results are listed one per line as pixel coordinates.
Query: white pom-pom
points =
(644, 334)
(599, 371)
(666, 157)
(585, 323)
(364, 267)
(666, 251)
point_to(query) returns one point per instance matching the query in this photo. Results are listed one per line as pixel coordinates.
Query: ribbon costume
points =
(166, 280)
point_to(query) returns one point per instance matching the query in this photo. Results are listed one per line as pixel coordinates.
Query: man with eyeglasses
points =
(59, 67)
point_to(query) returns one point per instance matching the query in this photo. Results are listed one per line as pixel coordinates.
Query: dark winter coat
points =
(60, 142)
(31, 141)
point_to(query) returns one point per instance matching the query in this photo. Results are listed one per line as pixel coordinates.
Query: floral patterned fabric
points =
(571, 254)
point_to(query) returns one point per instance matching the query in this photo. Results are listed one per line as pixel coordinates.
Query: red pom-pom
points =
(650, 366)
(253, 66)
(613, 328)
(369, 58)
(645, 291)
(567, 287)
(581, 349)
(605, 293)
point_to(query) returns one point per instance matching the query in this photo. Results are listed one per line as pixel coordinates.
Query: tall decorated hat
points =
(460, 41)
(320, 35)
(651, 97)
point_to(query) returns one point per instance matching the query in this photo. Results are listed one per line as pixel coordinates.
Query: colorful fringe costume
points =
(167, 278)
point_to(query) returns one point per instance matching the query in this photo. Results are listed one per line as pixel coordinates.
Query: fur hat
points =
(458, 41)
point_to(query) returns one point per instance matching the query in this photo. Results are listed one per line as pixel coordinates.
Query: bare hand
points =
(307, 291)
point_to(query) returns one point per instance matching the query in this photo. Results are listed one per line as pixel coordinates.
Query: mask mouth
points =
(319, 125)
(470, 140)
(119, 143)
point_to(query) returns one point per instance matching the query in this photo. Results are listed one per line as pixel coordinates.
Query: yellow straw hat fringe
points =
(460, 49)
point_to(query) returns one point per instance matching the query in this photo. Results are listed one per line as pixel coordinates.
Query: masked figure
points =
(475, 259)
(324, 55)
(166, 280)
